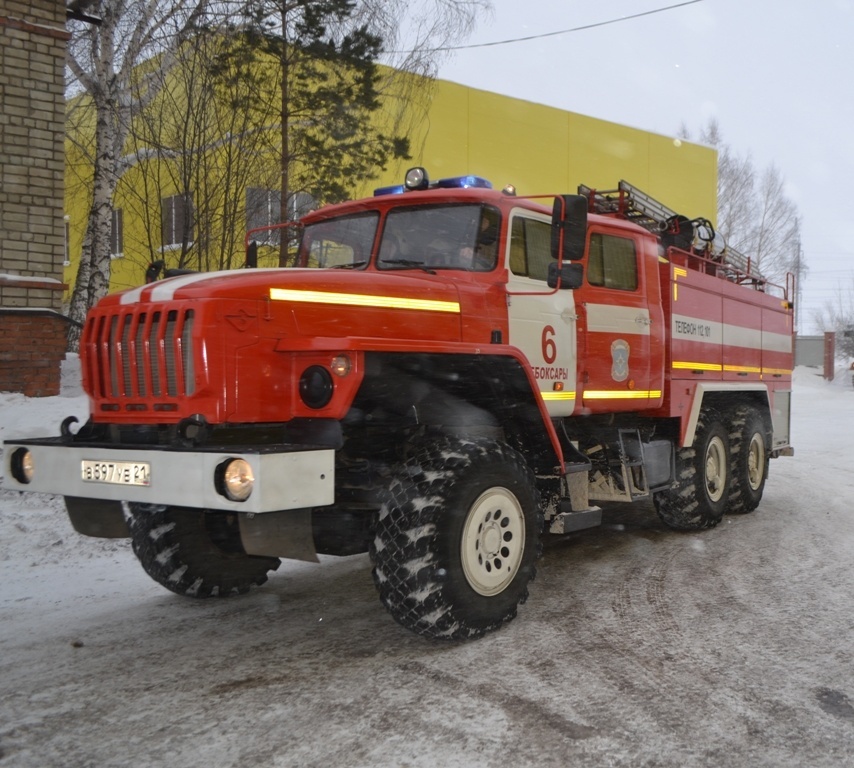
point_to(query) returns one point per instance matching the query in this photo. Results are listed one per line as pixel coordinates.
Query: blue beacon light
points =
(397, 189)
(417, 179)
(464, 182)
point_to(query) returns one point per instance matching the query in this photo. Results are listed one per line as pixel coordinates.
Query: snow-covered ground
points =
(639, 645)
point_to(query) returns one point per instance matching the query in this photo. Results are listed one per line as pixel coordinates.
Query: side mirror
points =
(569, 215)
(571, 275)
(252, 255)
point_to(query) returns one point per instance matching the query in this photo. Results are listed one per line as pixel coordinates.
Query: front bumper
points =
(286, 476)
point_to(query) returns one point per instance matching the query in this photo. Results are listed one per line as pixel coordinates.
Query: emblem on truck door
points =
(620, 360)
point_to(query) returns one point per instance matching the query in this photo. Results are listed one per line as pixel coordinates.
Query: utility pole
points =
(799, 269)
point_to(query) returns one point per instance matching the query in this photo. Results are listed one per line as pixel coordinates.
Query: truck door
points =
(542, 320)
(614, 325)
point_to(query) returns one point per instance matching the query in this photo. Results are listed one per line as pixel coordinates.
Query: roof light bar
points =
(464, 182)
(417, 179)
(397, 189)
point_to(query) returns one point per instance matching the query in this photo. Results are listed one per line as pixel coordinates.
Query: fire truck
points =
(442, 376)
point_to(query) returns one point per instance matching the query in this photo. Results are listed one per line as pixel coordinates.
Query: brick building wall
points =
(32, 228)
(32, 350)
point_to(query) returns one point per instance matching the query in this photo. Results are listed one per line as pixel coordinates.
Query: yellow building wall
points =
(543, 150)
(126, 271)
(539, 149)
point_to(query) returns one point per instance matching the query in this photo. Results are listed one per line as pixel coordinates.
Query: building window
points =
(299, 204)
(176, 217)
(612, 262)
(263, 209)
(117, 234)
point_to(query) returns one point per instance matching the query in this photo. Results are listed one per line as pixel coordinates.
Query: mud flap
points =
(101, 518)
(279, 534)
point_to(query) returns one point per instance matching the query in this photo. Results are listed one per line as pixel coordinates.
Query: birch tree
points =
(777, 228)
(755, 215)
(104, 62)
(735, 192)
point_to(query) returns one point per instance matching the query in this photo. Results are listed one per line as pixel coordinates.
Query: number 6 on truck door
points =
(542, 321)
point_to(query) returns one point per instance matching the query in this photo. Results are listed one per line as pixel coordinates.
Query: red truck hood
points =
(333, 303)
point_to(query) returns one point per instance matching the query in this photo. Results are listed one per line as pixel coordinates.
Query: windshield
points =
(423, 237)
(343, 243)
(440, 237)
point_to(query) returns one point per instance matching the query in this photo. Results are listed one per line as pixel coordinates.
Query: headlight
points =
(22, 465)
(235, 479)
(315, 386)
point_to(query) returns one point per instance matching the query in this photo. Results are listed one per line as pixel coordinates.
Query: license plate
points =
(116, 472)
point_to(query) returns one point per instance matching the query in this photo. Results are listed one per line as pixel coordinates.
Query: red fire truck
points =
(444, 374)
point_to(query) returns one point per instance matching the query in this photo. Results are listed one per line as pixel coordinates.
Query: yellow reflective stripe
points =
(693, 366)
(678, 272)
(621, 394)
(363, 300)
(558, 395)
(689, 366)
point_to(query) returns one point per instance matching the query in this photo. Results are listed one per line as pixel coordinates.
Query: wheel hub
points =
(493, 541)
(755, 462)
(715, 469)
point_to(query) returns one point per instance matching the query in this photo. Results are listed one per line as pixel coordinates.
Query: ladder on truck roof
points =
(629, 202)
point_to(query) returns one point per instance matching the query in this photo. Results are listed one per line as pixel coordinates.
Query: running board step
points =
(568, 522)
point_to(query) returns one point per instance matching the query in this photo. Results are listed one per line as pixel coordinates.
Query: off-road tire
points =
(699, 495)
(457, 538)
(194, 552)
(749, 459)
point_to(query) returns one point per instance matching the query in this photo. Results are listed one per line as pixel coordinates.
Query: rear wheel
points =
(749, 464)
(699, 495)
(195, 552)
(457, 538)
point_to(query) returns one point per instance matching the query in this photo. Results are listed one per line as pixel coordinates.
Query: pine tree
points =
(327, 86)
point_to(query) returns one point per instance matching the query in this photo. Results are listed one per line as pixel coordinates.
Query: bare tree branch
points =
(103, 60)
(755, 216)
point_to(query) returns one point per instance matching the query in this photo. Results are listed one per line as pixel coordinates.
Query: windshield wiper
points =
(409, 264)
(354, 265)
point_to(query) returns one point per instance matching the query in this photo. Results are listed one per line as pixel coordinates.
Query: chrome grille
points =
(142, 354)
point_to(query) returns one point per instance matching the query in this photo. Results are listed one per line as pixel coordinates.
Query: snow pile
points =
(40, 416)
(35, 526)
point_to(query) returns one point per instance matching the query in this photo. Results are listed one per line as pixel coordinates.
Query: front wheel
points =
(195, 552)
(457, 537)
(699, 495)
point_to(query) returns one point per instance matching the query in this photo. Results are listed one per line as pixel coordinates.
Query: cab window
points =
(460, 236)
(612, 262)
(530, 248)
(341, 242)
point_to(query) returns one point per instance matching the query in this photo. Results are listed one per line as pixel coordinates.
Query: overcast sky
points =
(777, 74)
